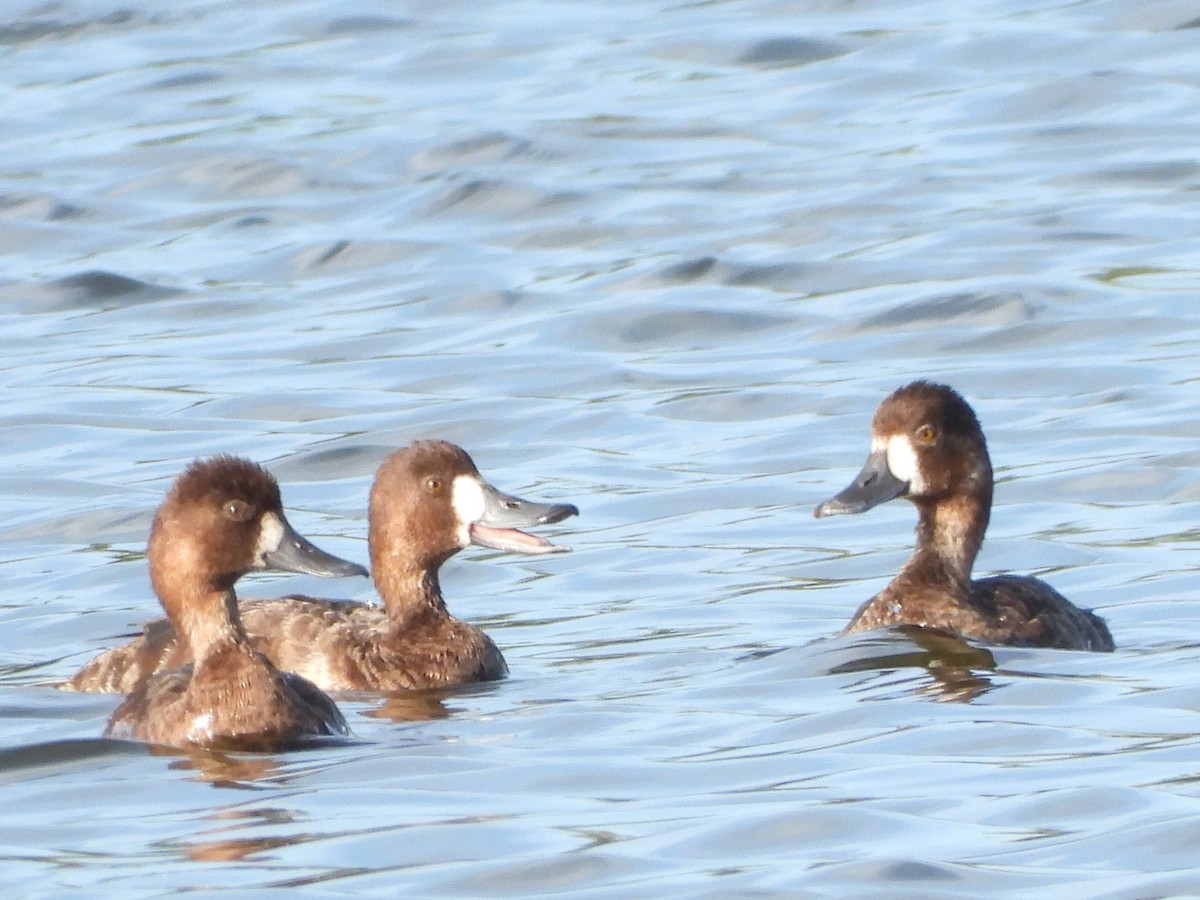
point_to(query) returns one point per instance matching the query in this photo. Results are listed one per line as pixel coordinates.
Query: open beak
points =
(503, 513)
(874, 485)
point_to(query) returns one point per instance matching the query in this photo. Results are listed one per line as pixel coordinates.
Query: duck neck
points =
(408, 592)
(206, 617)
(949, 535)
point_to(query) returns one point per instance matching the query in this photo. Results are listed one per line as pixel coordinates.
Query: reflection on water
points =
(228, 770)
(410, 706)
(235, 849)
(655, 260)
(215, 845)
(953, 663)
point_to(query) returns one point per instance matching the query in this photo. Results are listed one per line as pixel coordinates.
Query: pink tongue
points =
(511, 540)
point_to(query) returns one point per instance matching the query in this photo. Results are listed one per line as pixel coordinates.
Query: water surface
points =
(662, 261)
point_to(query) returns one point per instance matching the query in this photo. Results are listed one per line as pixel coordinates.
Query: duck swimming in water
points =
(427, 503)
(223, 518)
(927, 447)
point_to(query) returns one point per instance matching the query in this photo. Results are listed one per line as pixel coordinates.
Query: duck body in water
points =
(221, 519)
(927, 446)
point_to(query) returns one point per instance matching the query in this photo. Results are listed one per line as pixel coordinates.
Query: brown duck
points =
(927, 447)
(427, 503)
(222, 518)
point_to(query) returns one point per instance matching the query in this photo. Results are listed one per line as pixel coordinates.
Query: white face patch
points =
(270, 536)
(466, 496)
(902, 462)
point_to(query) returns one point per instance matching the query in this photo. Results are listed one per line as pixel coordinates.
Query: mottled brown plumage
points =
(222, 518)
(927, 446)
(428, 502)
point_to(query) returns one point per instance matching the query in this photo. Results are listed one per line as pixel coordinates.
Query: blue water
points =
(662, 261)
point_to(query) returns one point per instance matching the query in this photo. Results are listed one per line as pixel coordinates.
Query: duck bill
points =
(874, 485)
(503, 516)
(293, 552)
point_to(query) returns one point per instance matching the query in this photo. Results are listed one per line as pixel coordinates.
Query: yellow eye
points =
(926, 434)
(433, 485)
(238, 510)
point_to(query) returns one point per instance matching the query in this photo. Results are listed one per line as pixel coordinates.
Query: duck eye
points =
(926, 434)
(238, 510)
(433, 485)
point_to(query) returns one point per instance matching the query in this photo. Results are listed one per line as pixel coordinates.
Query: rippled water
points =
(660, 260)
